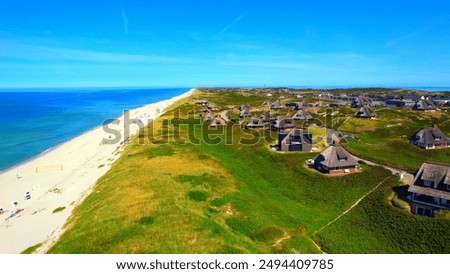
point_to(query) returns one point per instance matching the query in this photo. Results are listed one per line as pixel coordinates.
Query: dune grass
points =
(180, 187)
(386, 139)
(377, 226)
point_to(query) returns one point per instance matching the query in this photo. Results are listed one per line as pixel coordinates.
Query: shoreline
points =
(59, 179)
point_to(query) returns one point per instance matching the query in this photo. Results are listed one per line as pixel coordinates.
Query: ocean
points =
(34, 121)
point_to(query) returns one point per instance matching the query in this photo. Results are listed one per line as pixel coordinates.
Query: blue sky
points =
(173, 43)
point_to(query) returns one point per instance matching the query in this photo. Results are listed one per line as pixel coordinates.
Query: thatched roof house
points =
(431, 138)
(255, 123)
(218, 122)
(208, 117)
(295, 140)
(424, 105)
(302, 114)
(365, 112)
(335, 160)
(212, 106)
(321, 104)
(361, 101)
(276, 105)
(430, 189)
(246, 112)
(207, 114)
(295, 105)
(265, 117)
(202, 103)
(332, 136)
(282, 122)
(245, 107)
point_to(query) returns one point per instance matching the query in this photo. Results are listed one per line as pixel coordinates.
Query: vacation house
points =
(430, 189)
(361, 101)
(335, 160)
(295, 105)
(424, 105)
(295, 140)
(276, 105)
(202, 103)
(207, 115)
(282, 123)
(365, 112)
(265, 117)
(212, 107)
(255, 123)
(218, 122)
(430, 138)
(302, 114)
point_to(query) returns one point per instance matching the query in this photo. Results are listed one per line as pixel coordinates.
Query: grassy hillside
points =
(181, 187)
(386, 139)
(378, 227)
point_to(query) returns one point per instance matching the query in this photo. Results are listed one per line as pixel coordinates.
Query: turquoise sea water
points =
(33, 121)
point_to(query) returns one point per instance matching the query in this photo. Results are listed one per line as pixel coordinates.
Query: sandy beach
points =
(58, 181)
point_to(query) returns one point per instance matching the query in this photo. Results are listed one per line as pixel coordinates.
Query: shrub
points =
(198, 196)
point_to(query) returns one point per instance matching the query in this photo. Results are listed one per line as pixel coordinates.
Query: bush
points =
(198, 196)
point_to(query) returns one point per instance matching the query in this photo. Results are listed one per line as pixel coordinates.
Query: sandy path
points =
(61, 178)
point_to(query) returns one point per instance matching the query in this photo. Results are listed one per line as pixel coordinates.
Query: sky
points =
(198, 43)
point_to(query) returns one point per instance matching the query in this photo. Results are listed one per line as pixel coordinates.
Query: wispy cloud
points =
(125, 21)
(404, 38)
(421, 31)
(22, 51)
(229, 26)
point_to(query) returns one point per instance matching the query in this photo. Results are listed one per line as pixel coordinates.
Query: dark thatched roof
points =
(436, 173)
(430, 136)
(283, 122)
(365, 112)
(302, 114)
(335, 156)
(424, 104)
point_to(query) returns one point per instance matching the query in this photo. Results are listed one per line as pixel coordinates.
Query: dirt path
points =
(351, 207)
(404, 176)
(317, 246)
(224, 116)
(284, 238)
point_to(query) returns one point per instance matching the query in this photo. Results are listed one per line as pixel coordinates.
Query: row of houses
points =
(413, 101)
(430, 189)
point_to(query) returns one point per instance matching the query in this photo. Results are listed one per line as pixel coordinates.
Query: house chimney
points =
(435, 126)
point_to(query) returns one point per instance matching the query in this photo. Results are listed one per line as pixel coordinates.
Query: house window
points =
(424, 211)
(448, 187)
(338, 168)
(427, 183)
